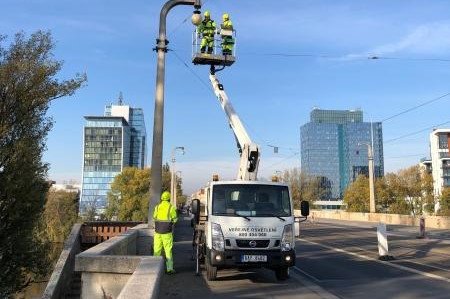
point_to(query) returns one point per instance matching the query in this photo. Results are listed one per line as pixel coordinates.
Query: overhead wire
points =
(191, 70)
(407, 156)
(415, 107)
(416, 132)
(344, 58)
(281, 161)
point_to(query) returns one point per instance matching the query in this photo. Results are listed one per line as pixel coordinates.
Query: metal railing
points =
(217, 49)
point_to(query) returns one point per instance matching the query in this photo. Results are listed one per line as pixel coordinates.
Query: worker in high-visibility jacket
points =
(165, 216)
(207, 30)
(226, 34)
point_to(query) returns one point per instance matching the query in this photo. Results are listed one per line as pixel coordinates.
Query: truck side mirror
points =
(304, 208)
(195, 209)
(195, 206)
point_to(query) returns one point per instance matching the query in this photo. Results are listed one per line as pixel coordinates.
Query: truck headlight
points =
(288, 238)
(218, 242)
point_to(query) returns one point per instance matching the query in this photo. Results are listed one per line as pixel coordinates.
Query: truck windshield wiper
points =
(232, 214)
(247, 218)
(272, 215)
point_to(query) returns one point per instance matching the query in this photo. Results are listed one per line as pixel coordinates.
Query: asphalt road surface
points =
(334, 260)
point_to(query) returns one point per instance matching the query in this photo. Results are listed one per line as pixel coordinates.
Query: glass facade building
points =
(111, 142)
(334, 147)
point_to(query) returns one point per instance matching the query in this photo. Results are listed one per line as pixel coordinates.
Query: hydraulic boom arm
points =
(249, 151)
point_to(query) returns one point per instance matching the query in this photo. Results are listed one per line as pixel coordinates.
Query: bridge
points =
(335, 259)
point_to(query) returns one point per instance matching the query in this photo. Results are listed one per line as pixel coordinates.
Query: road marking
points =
(426, 274)
(312, 286)
(306, 274)
(422, 264)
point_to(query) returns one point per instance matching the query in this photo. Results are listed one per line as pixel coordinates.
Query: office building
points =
(334, 148)
(111, 142)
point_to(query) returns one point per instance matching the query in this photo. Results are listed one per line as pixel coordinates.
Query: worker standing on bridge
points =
(165, 216)
(226, 33)
(207, 29)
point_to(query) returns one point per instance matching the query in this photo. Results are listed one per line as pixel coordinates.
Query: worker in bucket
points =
(226, 34)
(165, 216)
(207, 29)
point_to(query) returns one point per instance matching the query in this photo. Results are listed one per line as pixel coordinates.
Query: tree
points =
(444, 202)
(304, 187)
(28, 84)
(292, 177)
(416, 187)
(409, 191)
(129, 197)
(356, 195)
(60, 214)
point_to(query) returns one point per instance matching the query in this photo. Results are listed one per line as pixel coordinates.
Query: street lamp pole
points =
(177, 175)
(371, 178)
(158, 122)
(173, 184)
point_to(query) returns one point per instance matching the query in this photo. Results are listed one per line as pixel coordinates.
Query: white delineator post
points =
(383, 250)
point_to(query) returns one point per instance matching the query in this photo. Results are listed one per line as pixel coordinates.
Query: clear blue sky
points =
(112, 40)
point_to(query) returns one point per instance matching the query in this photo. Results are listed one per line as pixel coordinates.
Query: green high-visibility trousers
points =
(164, 241)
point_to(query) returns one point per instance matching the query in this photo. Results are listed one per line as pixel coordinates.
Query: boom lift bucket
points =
(216, 58)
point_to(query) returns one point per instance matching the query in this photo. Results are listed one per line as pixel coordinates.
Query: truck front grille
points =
(252, 243)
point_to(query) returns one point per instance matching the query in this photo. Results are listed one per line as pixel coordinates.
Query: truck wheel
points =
(282, 273)
(211, 271)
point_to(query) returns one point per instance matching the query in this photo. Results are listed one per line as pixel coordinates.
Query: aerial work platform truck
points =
(244, 222)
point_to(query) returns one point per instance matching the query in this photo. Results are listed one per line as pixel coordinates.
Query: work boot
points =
(202, 50)
(170, 272)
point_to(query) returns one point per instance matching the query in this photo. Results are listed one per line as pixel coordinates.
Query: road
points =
(334, 260)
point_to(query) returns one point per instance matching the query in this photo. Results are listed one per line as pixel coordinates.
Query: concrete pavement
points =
(342, 258)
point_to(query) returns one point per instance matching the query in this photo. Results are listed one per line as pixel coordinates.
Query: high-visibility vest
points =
(165, 215)
(207, 28)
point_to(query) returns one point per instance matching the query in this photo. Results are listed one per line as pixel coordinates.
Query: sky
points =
(324, 47)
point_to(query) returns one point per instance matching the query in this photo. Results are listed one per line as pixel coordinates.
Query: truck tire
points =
(211, 271)
(282, 273)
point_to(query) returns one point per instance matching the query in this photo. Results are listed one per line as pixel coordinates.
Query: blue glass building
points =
(111, 142)
(334, 147)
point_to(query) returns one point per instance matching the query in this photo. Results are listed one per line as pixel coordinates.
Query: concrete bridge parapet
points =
(120, 266)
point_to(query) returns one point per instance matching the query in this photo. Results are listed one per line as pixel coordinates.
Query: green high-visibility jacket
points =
(164, 215)
(207, 28)
(227, 25)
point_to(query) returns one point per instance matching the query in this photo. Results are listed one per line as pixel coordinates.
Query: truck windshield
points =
(251, 200)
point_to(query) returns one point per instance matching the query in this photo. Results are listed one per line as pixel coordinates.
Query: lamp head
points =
(196, 18)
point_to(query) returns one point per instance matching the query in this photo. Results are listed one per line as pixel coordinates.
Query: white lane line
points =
(426, 274)
(315, 288)
(306, 274)
(422, 264)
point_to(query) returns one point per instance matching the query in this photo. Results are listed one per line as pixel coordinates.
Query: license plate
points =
(253, 258)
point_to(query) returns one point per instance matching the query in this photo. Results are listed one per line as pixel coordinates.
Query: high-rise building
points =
(440, 160)
(111, 142)
(334, 148)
